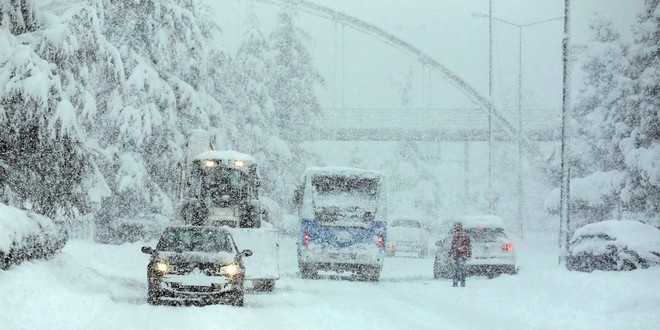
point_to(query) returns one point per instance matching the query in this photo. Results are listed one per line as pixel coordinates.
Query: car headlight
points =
(230, 270)
(162, 267)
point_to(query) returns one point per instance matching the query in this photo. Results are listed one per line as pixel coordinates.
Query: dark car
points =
(196, 264)
(614, 245)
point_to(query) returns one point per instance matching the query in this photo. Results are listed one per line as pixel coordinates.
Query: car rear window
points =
(486, 235)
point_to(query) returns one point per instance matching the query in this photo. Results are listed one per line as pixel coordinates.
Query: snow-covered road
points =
(92, 286)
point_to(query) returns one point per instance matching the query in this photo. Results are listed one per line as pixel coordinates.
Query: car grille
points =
(209, 269)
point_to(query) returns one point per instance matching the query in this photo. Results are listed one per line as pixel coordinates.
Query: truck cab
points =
(220, 188)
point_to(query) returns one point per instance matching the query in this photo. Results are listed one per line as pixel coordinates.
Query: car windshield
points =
(195, 241)
(486, 235)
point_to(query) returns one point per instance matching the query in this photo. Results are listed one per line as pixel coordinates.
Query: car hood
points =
(196, 257)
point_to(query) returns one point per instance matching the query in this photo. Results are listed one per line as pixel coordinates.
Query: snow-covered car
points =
(196, 264)
(405, 234)
(492, 251)
(614, 245)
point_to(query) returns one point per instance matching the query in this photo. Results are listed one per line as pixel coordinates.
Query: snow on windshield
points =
(339, 198)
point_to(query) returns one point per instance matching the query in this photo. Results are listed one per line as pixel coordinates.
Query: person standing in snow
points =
(460, 251)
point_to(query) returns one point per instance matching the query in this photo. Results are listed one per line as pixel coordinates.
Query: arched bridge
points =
(435, 123)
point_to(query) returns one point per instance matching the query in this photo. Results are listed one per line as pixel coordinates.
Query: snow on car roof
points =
(225, 155)
(631, 233)
(333, 170)
(486, 221)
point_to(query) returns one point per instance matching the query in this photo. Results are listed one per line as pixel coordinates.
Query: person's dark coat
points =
(461, 246)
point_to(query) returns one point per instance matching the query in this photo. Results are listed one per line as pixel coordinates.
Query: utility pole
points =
(564, 214)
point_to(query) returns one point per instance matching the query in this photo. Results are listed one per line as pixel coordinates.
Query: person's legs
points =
(463, 272)
(455, 271)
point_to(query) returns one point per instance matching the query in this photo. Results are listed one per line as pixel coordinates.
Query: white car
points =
(614, 245)
(405, 234)
(492, 251)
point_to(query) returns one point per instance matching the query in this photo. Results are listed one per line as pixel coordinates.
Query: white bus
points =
(343, 222)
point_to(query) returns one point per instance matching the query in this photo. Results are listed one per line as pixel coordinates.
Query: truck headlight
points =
(210, 163)
(162, 267)
(230, 270)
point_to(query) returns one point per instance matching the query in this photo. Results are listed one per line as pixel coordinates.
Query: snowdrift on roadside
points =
(25, 235)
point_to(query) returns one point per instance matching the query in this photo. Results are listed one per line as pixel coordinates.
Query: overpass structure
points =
(457, 124)
(503, 127)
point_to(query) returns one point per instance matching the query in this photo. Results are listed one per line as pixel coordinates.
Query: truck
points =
(343, 222)
(221, 188)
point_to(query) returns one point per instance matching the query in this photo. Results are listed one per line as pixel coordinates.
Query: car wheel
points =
(264, 285)
(153, 298)
(153, 292)
(236, 298)
(369, 273)
(308, 271)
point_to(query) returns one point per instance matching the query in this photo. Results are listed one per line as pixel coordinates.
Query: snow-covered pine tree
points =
(597, 165)
(293, 78)
(43, 155)
(412, 184)
(604, 66)
(163, 47)
(639, 126)
(18, 16)
(252, 62)
(261, 135)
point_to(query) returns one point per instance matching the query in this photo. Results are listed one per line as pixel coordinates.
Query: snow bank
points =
(25, 236)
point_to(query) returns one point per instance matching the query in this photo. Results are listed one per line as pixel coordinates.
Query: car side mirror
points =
(246, 253)
(147, 250)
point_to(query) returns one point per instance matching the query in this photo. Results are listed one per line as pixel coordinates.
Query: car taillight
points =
(381, 241)
(306, 238)
(507, 247)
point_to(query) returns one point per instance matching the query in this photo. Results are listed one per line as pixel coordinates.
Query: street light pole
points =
(519, 115)
(521, 200)
(491, 206)
(564, 219)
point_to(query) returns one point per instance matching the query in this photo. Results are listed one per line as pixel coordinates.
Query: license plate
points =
(343, 256)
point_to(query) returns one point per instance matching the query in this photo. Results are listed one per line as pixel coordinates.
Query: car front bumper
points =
(196, 287)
